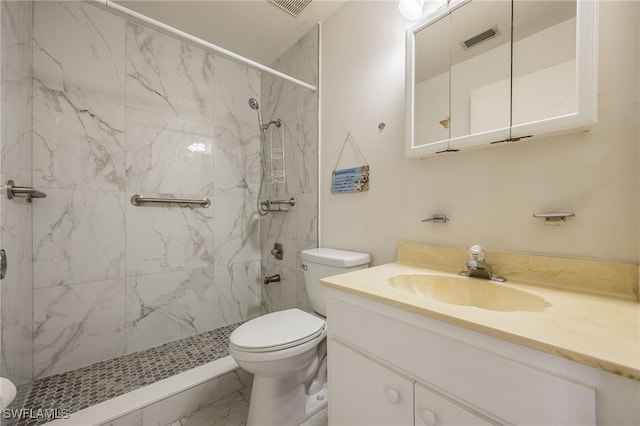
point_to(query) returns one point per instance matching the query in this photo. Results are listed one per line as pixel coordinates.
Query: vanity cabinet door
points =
(363, 392)
(432, 410)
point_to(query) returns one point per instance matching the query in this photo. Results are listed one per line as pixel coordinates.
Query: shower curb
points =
(167, 400)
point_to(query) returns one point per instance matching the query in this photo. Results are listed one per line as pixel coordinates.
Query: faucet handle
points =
(476, 252)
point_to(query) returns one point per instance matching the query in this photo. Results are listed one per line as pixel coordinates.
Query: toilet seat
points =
(277, 331)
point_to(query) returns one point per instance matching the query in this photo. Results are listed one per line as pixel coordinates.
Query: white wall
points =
(490, 194)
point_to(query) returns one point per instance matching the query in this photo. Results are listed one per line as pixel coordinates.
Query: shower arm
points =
(277, 122)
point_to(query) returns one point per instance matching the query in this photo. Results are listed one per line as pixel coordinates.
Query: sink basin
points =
(465, 291)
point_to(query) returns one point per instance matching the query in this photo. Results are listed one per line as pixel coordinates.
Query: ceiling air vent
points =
(294, 7)
(485, 35)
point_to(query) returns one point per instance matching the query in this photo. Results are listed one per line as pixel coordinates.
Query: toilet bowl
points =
(281, 367)
(286, 350)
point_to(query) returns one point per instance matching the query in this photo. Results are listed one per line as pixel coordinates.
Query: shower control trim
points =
(277, 251)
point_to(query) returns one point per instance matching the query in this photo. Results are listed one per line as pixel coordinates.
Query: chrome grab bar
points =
(291, 201)
(27, 192)
(139, 200)
(268, 206)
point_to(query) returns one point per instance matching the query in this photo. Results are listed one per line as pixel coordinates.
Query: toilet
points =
(286, 350)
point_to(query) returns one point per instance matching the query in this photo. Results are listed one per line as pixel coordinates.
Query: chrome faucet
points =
(478, 267)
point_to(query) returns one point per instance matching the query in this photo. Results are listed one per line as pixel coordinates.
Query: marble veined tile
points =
(306, 223)
(16, 132)
(237, 294)
(236, 230)
(168, 306)
(16, 27)
(87, 57)
(78, 142)
(77, 325)
(168, 154)
(229, 411)
(78, 236)
(279, 295)
(301, 59)
(167, 75)
(282, 98)
(162, 237)
(16, 362)
(280, 227)
(301, 154)
(237, 165)
(16, 237)
(234, 85)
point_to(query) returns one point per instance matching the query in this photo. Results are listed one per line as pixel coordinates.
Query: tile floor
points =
(81, 388)
(232, 411)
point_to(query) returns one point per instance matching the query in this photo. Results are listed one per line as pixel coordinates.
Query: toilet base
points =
(282, 401)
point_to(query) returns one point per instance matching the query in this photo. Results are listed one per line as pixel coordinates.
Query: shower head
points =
(253, 104)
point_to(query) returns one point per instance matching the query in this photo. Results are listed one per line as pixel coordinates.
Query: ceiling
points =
(256, 29)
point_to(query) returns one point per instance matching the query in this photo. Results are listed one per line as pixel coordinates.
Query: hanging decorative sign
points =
(355, 179)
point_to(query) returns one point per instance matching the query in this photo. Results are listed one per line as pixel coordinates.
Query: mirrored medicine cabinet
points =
(486, 71)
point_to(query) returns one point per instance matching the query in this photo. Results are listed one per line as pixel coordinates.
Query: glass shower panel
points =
(15, 215)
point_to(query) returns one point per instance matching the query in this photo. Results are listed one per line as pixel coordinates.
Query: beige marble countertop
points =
(601, 332)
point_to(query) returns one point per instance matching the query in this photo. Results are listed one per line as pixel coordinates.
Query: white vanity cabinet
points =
(369, 393)
(393, 367)
(432, 409)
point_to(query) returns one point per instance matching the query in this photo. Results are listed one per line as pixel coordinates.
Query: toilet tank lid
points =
(335, 257)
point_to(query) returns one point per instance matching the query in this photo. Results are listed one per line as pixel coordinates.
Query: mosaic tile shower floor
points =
(81, 388)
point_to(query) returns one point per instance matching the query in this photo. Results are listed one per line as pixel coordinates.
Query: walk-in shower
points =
(95, 281)
(272, 160)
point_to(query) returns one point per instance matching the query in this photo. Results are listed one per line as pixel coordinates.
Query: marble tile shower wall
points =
(15, 153)
(120, 109)
(298, 228)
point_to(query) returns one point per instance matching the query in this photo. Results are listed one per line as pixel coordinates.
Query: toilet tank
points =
(324, 262)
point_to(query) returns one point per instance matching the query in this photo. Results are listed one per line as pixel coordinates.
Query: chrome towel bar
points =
(27, 192)
(437, 218)
(139, 200)
(554, 217)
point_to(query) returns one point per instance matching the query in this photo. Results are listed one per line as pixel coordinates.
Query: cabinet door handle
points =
(393, 395)
(429, 417)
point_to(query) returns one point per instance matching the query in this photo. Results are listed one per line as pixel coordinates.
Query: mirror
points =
(485, 71)
(432, 82)
(480, 67)
(544, 60)
(459, 71)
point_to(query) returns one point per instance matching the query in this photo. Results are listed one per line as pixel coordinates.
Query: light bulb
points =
(411, 9)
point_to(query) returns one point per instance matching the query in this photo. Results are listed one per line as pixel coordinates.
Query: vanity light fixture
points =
(411, 9)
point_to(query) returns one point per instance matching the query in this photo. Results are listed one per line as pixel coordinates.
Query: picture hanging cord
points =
(350, 137)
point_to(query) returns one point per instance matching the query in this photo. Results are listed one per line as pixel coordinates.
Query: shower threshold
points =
(61, 395)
